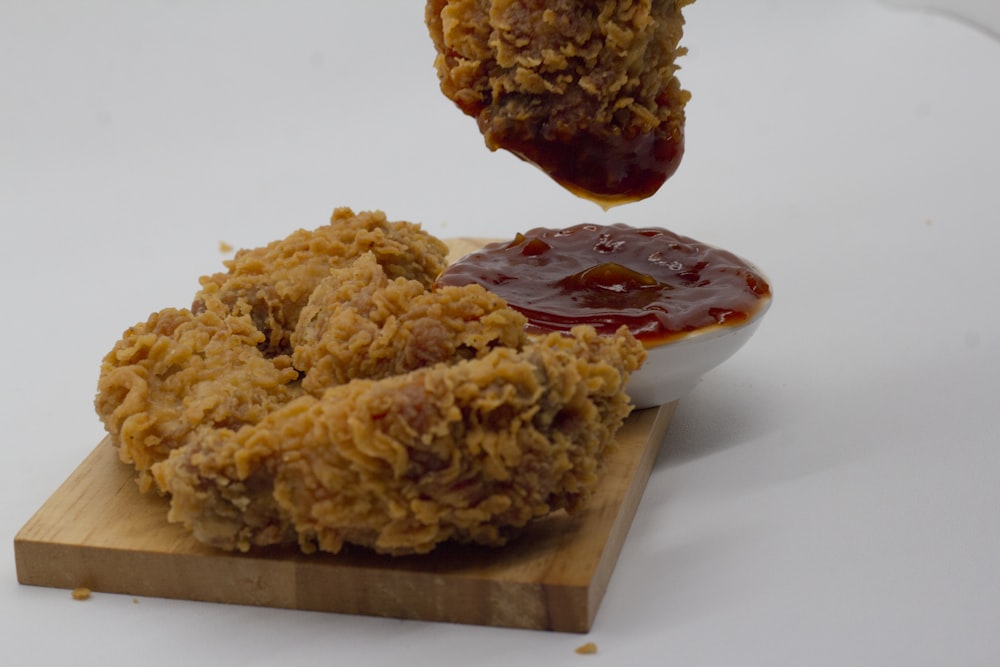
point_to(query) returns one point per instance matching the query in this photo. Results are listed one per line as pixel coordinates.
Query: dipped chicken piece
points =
(585, 90)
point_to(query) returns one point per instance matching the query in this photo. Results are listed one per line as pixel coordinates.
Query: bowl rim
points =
(712, 330)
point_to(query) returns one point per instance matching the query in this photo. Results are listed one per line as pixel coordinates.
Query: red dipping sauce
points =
(605, 168)
(657, 283)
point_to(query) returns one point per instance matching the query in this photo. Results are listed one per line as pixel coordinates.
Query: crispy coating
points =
(369, 408)
(569, 82)
(273, 283)
(178, 372)
(227, 361)
(468, 451)
(359, 323)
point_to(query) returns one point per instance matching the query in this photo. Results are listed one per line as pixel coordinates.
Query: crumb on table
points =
(587, 649)
(81, 593)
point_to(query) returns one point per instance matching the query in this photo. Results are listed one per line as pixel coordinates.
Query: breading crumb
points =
(587, 649)
(225, 247)
(81, 593)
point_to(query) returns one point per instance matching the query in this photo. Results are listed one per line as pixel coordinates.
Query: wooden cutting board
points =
(97, 531)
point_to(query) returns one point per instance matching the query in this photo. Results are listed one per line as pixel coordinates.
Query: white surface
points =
(979, 14)
(829, 496)
(671, 371)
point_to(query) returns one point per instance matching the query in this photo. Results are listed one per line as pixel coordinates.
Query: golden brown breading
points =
(359, 323)
(227, 361)
(178, 372)
(585, 89)
(273, 283)
(466, 452)
(401, 416)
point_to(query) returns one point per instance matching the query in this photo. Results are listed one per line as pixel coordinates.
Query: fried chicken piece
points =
(273, 283)
(178, 372)
(584, 89)
(367, 431)
(359, 323)
(468, 452)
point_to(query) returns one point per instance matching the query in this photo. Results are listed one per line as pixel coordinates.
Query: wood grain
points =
(98, 531)
(461, 246)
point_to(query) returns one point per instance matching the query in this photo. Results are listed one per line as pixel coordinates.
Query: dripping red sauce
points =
(606, 168)
(657, 283)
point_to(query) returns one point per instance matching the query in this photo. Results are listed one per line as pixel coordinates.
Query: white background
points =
(829, 496)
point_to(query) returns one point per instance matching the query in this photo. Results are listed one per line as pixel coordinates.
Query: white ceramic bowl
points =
(672, 369)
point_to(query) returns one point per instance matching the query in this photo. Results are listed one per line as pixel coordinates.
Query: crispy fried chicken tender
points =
(273, 283)
(584, 89)
(323, 392)
(360, 324)
(468, 452)
(227, 361)
(178, 372)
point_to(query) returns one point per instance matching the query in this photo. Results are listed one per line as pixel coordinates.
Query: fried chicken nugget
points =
(468, 452)
(178, 372)
(358, 323)
(273, 283)
(584, 89)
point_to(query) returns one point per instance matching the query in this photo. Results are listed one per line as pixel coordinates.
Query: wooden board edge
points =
(260, 581)
(629, 506)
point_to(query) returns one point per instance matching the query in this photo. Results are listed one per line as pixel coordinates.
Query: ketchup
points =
(657, 283)
(609, 169)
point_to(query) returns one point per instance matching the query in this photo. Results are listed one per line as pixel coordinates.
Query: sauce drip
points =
(657, 283)
(608, 169)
